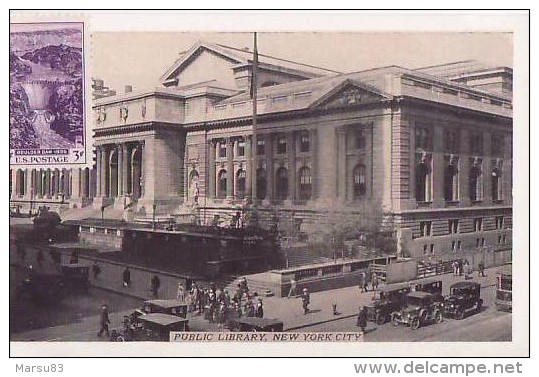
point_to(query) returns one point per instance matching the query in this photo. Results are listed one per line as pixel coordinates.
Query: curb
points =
(320, 322)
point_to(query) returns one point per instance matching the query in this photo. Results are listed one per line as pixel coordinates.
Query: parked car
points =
(464, 297)
(387, 300)
(151, 328)
(421, 308)
(433, 286)
(171, 307)
(504, 288)
(257, 324)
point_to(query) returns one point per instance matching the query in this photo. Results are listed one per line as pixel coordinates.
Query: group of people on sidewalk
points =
(218, 306)
(464, 268)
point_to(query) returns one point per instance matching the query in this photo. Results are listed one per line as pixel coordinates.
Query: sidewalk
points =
(289, 311)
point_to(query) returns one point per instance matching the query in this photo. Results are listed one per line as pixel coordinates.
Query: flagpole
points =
(254, 147)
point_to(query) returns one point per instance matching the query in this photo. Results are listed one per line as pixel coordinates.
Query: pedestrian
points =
(467, 269)
(180, 294)
(305, 300)
(259, 307)
(363, 282)
(374, 281)
(362, 318)
(243, 284)
(455, 266)
(481, 267)
(459, 267)
(293, 287)
(126, 276)
(96, 270)
(155, 283)
(104, 320)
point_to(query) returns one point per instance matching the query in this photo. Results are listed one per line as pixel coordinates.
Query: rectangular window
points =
(459, 245)
(482, 242)
(359, 139)
(222, 150)
(453, 226)
(478, 224)
(499, 240)
(504, 239)
(476, 143)
(497, 144)
(432, 248)
(241, 148)
(423, 138)
(477, 242)
(451, 141)
(305, 142)
(281, 145)
(425, 249)
(425, 228)
(260, 147)
(499, 222)
(453, 246)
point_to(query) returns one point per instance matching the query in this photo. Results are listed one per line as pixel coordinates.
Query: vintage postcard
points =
(47, 96)
(258, 191)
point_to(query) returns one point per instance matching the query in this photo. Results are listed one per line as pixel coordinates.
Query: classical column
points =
(142, 169)
(119, 170)
(125, 164)
(341, 164)
(270, 171)
(48, 183)
(103, 172)
(99, 177)
(229, 169)
(211, 169)
(249, 173)
(29, 182)
(312, 154)
(487, 168)
(291, 157)
(438, 167)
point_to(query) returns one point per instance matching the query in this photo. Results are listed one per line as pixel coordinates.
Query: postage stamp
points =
(46, 94)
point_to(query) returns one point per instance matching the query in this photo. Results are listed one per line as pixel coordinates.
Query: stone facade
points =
(433, 154)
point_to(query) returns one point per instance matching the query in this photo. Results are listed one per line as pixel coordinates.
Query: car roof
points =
(428, 281)
(419, 294)
(465, 284)
(172, 303)
(262, 322)
(394, 287)
(161, 319)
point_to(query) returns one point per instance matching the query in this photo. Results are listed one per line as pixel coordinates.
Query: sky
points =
(139, 59)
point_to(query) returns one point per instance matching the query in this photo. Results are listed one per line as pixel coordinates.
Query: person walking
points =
(259, 307)
(362, 318)
(293, 287)
(104, 320)
(305, 300)
(155, 283)
(455, 266)
(180, 294)
(363, 282)
(374, 281)
(126, 277)
(481, 269)
(96, 270)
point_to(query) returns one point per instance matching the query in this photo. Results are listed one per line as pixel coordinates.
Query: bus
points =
(504, 288)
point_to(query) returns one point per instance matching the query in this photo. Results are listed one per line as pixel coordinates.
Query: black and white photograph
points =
(265, 186)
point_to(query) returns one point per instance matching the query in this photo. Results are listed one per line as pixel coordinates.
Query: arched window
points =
(476, 192)
(305, 184)
(281, 183)
(423, 182)
(360, 181)
(496, 184)
(240, 183)
(451, 183)
(193, 185)
(261, 191)
(221, 184)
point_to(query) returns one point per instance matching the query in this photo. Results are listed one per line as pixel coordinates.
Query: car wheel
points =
(415, 324)
(438, 317)
(380, 319)
(459, 313)
(478, 305)
(395, 319)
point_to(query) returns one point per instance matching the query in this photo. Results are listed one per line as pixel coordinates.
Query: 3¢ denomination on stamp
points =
(47, 92)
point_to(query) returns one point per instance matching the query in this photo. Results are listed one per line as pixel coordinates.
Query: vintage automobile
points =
(433, 286)
(257, 324)
(464, 296)
(387, 300)
(75, 276)
(171, 306)
(153, 327)
(504, 288)
(421, 308)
